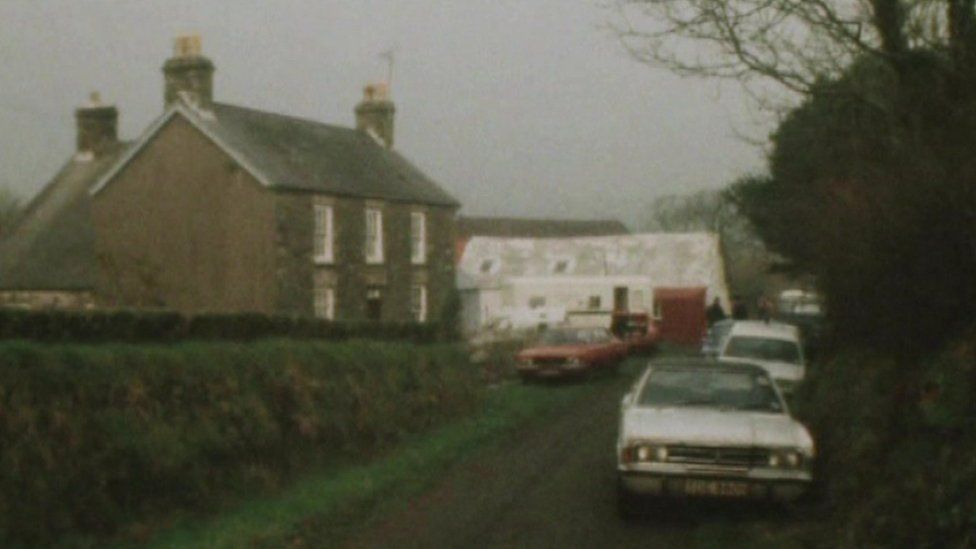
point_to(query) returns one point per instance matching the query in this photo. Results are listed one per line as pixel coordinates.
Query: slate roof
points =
(51, 244)
(515, 227)
(297, 154)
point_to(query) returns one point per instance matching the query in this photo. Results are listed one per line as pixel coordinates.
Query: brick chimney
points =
(374, 114)
(188, 74)
(97, 126)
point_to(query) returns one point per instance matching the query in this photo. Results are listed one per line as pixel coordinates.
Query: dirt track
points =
(553, 486)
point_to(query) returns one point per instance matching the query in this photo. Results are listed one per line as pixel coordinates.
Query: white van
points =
(773, 345)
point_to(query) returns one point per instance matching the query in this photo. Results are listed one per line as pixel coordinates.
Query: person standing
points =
(714, 312)
(765, 308)
(739, 311)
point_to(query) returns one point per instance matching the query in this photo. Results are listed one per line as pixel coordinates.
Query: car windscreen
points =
(562, 337)
(709, 388)
(762, 348)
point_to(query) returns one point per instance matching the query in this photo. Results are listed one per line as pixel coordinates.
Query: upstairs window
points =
(594, 303)
(537, 302)
(418, 238)
(374, 235)
(323, 235)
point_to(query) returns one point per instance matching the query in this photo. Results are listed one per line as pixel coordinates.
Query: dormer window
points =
(489, 266)
(561, 265)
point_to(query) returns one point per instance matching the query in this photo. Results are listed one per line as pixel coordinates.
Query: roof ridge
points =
(289, 117)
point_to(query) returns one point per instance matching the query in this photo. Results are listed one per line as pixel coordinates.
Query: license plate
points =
(716, 488)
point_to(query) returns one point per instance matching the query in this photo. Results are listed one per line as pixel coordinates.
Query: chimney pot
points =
(375, 113)
(188, 73)
(97, 126)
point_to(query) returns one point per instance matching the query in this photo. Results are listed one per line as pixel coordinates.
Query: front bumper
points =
(551, 370)
(670, 480)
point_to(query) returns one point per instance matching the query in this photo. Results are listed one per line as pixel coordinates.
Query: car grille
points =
(710, 455)
(549, 361)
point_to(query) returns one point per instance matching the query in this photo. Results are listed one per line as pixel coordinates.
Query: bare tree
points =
(794, 43)
(748, 262)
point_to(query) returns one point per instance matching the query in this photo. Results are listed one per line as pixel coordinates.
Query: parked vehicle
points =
(637, 330)
(699, 428)
(561, 352)
(774, 346)
(715, 337)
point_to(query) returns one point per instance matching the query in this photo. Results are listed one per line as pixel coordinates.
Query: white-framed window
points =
(418, 302)
(561, 265)
(325, 302)
(374, 235)
(418, 238)
(490, 266)
(324, 235)
(537, 302)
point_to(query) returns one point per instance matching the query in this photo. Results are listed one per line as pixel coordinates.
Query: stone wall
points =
(48, 299)
(349, 274)
(182, 227)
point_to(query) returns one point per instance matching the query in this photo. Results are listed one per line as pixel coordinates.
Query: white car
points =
(772, 345)
(705, 429)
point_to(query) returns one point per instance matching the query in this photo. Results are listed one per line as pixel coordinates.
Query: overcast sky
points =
(517, 107)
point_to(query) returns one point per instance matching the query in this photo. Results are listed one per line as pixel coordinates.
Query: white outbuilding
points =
(530, 281)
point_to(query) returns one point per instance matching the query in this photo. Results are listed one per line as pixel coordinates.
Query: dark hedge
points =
(96, 440)
(161, 326)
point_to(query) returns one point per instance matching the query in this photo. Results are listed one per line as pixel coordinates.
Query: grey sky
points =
(518, 107)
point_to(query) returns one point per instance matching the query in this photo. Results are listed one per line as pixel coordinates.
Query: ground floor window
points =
(418, 302)
(325, 302)
(374, 304)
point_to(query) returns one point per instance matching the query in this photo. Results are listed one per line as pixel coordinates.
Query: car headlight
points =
(645, 452)
(786, 459)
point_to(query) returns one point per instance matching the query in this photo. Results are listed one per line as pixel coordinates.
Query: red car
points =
(637, 330)
(562, 352)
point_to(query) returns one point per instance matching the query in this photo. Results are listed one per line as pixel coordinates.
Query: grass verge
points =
(327, 505)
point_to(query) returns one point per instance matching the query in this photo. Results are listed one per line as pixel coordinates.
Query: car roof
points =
(704, 363)
(771, 330)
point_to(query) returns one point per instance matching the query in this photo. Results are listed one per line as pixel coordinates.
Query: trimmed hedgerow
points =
(95, 438)
(162, 326)
(896, 441)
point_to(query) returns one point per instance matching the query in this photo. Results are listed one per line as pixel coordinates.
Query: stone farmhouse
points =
(221, 208)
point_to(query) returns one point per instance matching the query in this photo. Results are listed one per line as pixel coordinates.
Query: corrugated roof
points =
(516, 227)
(51, 245)
(673, 260)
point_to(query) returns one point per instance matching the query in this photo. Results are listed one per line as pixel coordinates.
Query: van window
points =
(761, 348)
